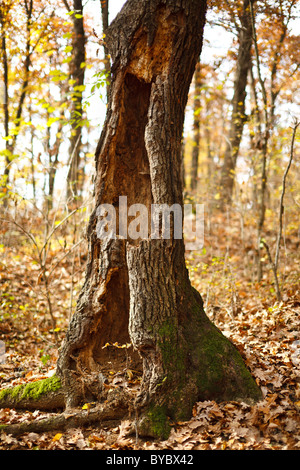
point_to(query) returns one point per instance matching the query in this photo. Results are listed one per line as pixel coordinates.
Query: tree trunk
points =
(5, 99)
(196, 136)
(11, 144)
(105, 23)
(75, 176)
(139, 291)
(238, 105)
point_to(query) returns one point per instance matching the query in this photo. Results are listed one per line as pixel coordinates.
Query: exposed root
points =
(45, 394)
(114, 409)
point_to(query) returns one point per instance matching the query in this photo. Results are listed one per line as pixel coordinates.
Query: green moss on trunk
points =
(218, 368)
(31, 391)
(155, 422)
(198, 363)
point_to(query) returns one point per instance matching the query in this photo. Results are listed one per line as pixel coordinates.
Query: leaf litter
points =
(265, 331)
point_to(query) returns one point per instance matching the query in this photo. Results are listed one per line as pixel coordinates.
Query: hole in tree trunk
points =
(128, 175)
(132, 174)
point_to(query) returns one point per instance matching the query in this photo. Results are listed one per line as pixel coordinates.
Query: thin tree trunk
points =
(52, 152)
(268, 114)
(5, 102)
(238, 105)
(75, 176)
(196, 129)
(10, 145)
(105, 23)
(139, 290)
(32, 155)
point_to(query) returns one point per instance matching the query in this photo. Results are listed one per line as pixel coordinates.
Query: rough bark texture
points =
(238, 104)
(139, 290)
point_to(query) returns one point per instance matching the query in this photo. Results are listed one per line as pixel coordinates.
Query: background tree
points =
(196, 128)
(283, 14)
(13, 114)
(26, 94)
(242, 21)
(105, 23)
(77, 68)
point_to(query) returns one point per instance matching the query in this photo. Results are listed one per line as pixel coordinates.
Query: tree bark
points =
(238, 104)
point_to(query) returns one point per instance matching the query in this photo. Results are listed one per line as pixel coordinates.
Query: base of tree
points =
(202, 365)
(192, 361)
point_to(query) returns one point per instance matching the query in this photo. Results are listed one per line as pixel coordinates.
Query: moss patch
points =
(219, 369)
(155, 423)
(32, 390)
(172, 356)
(199, 363)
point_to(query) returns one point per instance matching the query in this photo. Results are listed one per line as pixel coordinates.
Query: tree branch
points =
(66, 5)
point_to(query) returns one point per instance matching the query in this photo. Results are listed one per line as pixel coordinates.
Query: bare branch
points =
(66, 5)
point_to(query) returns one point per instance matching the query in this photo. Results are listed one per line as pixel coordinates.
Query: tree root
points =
(113, 409)
(46, 394)
(117, 405)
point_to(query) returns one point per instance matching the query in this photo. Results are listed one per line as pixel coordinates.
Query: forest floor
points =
(265, 331)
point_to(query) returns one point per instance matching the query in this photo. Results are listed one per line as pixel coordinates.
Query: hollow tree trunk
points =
(139, 290)
(238, 105)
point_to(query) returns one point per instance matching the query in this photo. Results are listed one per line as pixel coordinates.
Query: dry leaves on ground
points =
(266, 333)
